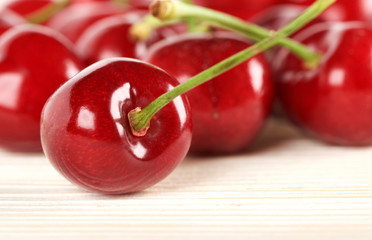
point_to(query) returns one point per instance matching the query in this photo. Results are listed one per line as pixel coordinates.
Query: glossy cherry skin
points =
(342, 10)
(244, 9)
(332, 102)
(35, 61)
(76, 18)
(110, 37)
(85, 131)
(228, 111)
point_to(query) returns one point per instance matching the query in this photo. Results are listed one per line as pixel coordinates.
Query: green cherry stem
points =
(42, 15)
(141, 31)
(167, 9)
(140, 119)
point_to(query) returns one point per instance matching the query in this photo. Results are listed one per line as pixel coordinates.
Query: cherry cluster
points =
(84, 67)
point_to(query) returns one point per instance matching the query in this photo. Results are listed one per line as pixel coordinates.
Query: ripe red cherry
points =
(244, 9)
(332, 102)
(276, 17)
(110, 37)
(342, 10)
(88, 1)
(76, 18)
(9, 19)
(86, 134)
(35, 61)
(141, 4)
(230, 110)
(25, 7)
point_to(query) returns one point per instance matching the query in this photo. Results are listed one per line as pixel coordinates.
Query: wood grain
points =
(285, 186)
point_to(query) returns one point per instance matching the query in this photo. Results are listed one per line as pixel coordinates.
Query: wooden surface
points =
(285, 187)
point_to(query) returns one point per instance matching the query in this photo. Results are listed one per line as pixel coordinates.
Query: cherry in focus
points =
(229, 111)
(332, 102)
(35, 62)
(86, 134)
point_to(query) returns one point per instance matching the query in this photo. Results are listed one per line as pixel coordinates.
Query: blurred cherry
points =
(35, 62)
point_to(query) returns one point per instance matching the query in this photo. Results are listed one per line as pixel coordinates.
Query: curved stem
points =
(45, 13)
(140, 119)
(167, 9)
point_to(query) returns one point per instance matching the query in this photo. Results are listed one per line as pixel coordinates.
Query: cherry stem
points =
(121, 2)
(167, 9)
(191, 22)
(140, 119)
(44, 14)
(141, 31)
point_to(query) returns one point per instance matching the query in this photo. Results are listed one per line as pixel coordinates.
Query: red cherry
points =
(332, 102)
(9, 19)
(88, 1)
(244, 9)
(76, 18)
(35, 61)
(342, 10)
(86, 135)
(142, 4)
(26, 7)
(276, 17)
(229, 111)
(109, 37)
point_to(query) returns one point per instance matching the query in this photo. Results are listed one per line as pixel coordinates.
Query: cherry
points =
(342, 10)
(35, 62)
(9, 19)
(121, 126)
(276, 17)
(332, 102)
(244, 9)
(26, 7)
(76, 18)
(86, 135)
(89, 1)
(142, 4)
(229, 111)
(109, 37)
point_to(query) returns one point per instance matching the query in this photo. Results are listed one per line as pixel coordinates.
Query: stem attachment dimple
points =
(135, 118)
(139, 119)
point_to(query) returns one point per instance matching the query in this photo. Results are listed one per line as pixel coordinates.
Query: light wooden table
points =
(285, 187)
